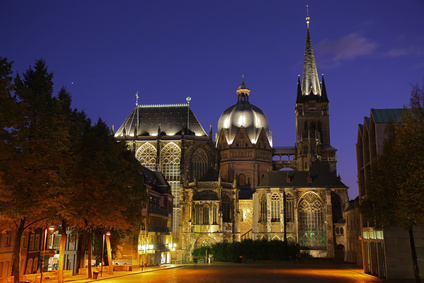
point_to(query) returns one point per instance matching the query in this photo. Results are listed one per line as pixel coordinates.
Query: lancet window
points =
(146, 154)
(289, 206)
(262, 209)
(199, 163)
(275, 208)
(311, 222)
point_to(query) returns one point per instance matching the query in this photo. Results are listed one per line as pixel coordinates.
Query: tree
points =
(33, 142)
(395, 190)
(56, 166)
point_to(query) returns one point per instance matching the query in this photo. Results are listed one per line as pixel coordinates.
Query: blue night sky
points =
(103, 52)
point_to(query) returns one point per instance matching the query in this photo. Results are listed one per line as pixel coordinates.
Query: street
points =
(252, 273)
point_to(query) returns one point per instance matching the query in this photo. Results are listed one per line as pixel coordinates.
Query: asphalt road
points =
(252, 273)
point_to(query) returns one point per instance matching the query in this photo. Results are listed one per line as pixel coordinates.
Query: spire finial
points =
(242, 78)
(307, 15)
(136, 99)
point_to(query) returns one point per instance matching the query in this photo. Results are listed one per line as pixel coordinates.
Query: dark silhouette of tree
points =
(395, 190)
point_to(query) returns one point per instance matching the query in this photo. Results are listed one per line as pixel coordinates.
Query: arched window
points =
(171, 156)
(289, 207)
(197, 214)
(226, 209)
(205, 214)
(199, 163)
(170, 167)
(146, 154)
(262, 208)
(215, 215)
(275, 208)
(311, 222)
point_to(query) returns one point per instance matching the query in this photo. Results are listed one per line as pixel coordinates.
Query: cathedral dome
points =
(246, 115)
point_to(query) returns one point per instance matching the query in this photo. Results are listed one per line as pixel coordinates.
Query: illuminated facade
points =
(231, 189)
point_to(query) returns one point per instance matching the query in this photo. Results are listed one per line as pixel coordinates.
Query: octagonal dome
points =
(246, 115)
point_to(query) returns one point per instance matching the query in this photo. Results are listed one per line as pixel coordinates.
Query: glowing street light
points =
(51, 229)
(103, 253)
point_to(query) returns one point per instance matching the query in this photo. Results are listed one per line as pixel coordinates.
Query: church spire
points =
(310, 82)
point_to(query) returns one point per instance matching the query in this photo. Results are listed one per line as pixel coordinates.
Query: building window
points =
(289, 207)
(311, 222)
(7, 242)
(199, 163)
(262, 209)
(205, 214)
(226, 209)
(197, 214)
(215, 214)
(170, 167)
(275, 208)
(146, 154)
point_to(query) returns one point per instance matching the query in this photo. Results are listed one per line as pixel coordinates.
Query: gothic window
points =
(146, 154)
(215, 214)
(262, 208)
(226, 209)
(199, 163)
(289, 207)
(197, 214)
(205, 214)
(170, 167)
(275, 208)
(171, 155)
(311, 222)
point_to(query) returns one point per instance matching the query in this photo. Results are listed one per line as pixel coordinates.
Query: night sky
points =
(103, 52)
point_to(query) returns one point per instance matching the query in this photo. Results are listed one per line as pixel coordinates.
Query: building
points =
(231, 188)
(386, 252)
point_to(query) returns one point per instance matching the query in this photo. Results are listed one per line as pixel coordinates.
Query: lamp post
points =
(103, 253)
(51, 228)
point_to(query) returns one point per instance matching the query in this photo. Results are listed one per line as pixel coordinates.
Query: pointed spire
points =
(310, 82)
(324, 97)
(299, 91)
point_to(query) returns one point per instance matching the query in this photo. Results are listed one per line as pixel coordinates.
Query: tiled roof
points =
(172, 120)
(384, 115)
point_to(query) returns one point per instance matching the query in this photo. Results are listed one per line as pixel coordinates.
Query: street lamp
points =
(51, 228)
(103, 253)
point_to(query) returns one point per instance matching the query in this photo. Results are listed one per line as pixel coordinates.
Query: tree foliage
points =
(250, 250)
(395, 188)
(56, 166)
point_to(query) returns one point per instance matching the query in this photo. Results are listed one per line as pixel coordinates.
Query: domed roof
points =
(246, 115)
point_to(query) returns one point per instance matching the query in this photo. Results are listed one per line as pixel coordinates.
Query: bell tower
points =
(312, 115)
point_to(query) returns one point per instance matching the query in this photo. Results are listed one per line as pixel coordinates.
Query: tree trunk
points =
(109, 254)
(90, 254)
(414, 255)
(62, 252)
(16, 257)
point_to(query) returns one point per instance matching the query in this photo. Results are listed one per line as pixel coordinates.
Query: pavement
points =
(116, 274)
(105, 275)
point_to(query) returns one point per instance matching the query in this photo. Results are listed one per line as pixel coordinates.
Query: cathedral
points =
(236, 185)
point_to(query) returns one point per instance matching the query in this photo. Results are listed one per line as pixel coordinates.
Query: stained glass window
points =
(311, 222)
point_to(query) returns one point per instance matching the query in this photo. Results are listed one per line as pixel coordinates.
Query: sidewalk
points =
(116, 274)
